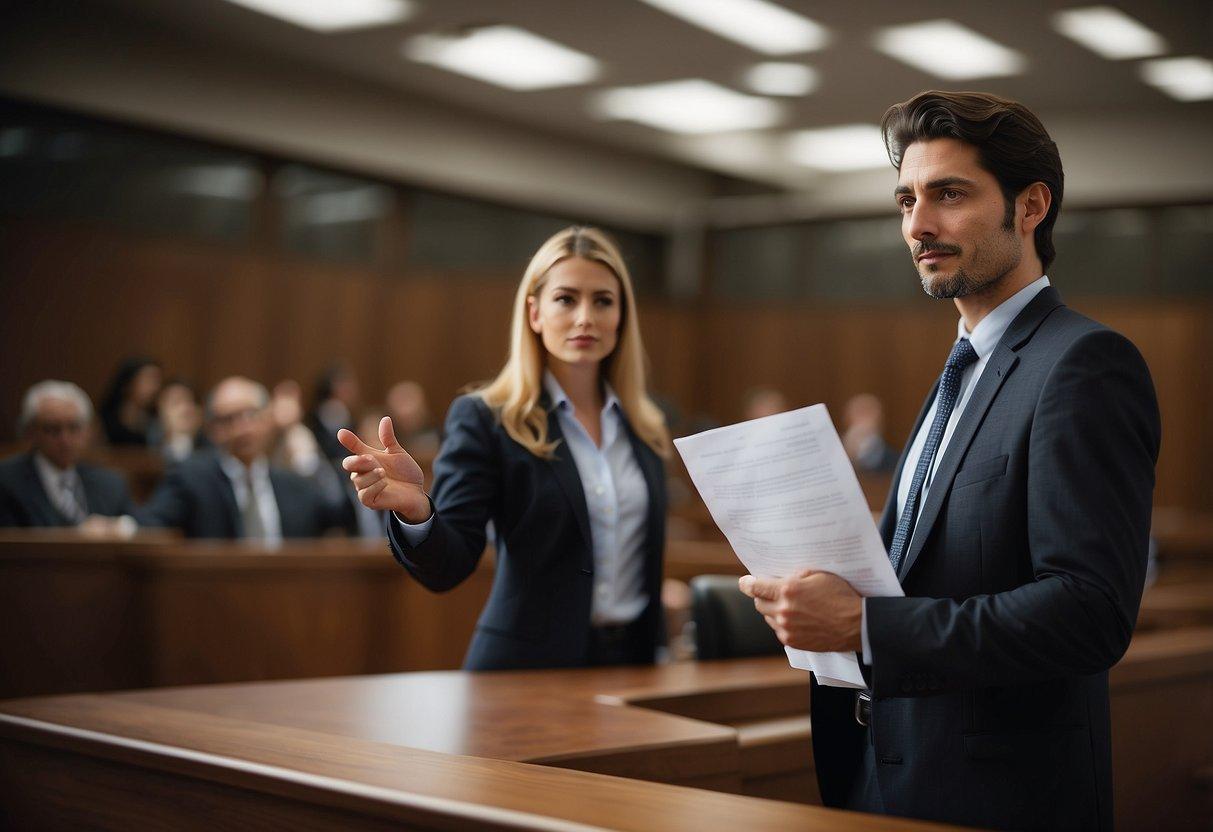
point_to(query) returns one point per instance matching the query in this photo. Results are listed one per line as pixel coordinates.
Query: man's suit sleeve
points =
(169, 504)
(335, 511)
(121, 495)
(1093, 444)
(8, 508)
(467, 475)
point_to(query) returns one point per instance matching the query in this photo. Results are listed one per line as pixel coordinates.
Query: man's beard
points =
(959, 285)
(990, 267)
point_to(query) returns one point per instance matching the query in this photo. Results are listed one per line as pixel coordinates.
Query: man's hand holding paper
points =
(816, 611)
(785, 495)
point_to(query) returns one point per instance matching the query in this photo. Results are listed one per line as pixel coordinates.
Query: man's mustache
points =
(922, 248)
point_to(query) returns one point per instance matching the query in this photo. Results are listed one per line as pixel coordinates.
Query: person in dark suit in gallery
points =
(128, 408)
(49, 485)
(232, 491)
(1017, 522)
(562, 452)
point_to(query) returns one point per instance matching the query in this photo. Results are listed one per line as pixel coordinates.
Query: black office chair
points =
(726, 623)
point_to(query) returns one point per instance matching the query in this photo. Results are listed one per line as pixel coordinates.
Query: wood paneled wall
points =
(77, 300)
(829, 353)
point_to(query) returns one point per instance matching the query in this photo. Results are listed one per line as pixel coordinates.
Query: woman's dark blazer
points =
(538, 612)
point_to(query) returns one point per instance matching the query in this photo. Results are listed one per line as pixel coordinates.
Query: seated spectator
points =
(49, 486)
(177, 429)
(410, 414)
(295, 448)
(294, 445)
(128, 407)
(233, 491)
(337, 398)
(762, 401)
(862, 436)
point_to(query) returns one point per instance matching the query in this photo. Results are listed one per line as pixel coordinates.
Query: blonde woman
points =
(563, 453)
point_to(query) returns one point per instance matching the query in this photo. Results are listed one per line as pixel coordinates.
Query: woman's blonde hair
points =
(515, 393)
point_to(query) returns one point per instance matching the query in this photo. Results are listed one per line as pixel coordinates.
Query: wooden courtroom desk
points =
(1183, 536)
(428, 750)
(83, 615)
(87, 615)
(1173, 605)
(735, 725)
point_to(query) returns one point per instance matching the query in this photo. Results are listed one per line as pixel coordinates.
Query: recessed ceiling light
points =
(949, 50)
(333, 15)
(843, 148)
(758, 24)
(1109, 32)
(1188, 79)
(216, 181)
(781, 79)
(506, 56)
(690, 106)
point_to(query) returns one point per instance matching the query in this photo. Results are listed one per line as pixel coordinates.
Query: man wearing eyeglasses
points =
(49, 486)
(233, 491)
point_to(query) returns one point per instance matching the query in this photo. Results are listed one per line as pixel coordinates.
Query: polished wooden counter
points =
(362, 746)
(428, 750)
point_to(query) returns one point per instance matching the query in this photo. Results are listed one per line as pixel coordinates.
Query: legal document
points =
(784, 493)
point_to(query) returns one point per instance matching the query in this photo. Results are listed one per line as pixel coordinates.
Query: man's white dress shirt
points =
(262, 492)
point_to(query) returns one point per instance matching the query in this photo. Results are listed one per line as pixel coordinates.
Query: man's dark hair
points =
(1011, 144)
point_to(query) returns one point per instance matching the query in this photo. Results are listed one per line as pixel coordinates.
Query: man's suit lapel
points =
(999, 367)
(47, 514)
(287, 519)
(565, 469)
(227, 498)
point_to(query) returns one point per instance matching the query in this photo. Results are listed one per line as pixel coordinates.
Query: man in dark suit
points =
(232, 491)
(1018, 518)
(49, 486)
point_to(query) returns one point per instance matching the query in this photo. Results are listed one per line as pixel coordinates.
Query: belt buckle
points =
(863, 708)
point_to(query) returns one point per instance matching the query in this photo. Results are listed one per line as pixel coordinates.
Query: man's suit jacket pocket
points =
(975, 472)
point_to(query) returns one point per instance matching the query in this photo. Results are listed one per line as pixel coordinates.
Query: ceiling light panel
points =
(689, 106)
(946, 49)
(1109, 32)
(506, 56)
(1187, 79)
(781, 79)
(333, 15)
(762, 26)
(848, 147)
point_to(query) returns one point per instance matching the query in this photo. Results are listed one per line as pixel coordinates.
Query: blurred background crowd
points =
(247, 461)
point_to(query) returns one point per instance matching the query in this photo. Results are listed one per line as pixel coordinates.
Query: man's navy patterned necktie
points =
(962, 356)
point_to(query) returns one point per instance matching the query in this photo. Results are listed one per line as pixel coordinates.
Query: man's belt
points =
(863, 708)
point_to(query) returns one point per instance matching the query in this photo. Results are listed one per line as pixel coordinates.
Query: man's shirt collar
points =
(235, 469)
(990, 329)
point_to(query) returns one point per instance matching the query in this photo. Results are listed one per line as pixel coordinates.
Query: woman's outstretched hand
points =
(388, 480)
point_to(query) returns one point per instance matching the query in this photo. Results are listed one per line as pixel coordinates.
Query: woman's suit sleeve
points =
(467, 487)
